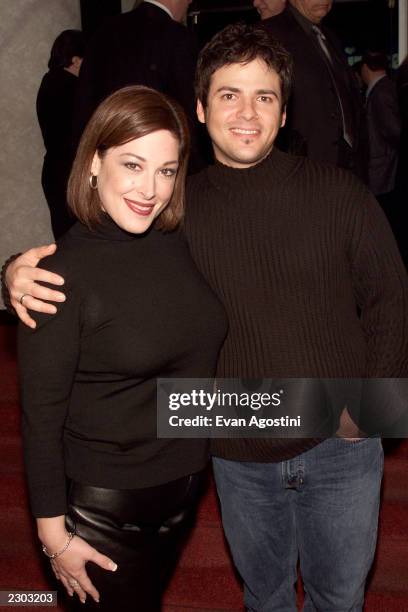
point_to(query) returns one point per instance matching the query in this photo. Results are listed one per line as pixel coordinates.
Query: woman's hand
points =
(69, 566)
(21, 280)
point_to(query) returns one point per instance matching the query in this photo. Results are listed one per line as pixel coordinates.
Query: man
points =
(325, 107)
(269, 8)
(292, 248)
(383, 123)
(146, 46)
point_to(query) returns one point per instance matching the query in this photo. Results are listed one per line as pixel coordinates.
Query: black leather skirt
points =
(142, 530)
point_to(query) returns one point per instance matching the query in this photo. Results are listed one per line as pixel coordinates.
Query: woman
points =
(55, 110)
(137, 310)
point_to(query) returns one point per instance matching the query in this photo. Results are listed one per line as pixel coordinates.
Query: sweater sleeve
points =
(381, 288)
(47, 359)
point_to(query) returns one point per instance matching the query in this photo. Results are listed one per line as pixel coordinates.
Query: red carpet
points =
(205, 580)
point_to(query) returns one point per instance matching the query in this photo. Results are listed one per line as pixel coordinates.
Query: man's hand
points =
(21, 280)
(348, 429)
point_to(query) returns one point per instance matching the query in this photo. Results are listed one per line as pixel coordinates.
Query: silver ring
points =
(73, 583)
(22, 298)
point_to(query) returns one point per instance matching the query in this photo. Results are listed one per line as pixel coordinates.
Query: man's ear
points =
(96, 164)
(283, 117)
(200, 112)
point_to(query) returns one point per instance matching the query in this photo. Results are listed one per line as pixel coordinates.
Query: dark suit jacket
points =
(142, 47)
(384, 128)
(313, 110)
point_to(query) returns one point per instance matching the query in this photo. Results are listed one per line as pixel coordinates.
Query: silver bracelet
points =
(57, 554)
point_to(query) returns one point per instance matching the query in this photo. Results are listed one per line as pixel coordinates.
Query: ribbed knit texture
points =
(296, 250)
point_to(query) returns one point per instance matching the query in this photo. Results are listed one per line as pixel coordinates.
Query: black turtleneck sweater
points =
(136, 309)
(303, 260)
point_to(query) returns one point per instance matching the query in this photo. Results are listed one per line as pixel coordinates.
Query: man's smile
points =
(245, 132)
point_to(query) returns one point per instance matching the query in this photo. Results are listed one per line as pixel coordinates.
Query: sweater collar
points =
(276, 167)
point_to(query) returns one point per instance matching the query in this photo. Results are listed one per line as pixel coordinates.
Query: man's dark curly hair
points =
(241, 43)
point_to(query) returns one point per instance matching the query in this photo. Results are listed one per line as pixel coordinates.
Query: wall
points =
(27, 30)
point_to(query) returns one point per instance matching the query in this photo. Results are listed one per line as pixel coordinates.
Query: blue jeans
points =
(321, 508)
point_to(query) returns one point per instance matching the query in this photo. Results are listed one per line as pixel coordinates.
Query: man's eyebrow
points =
(259, 92)
(267, 91)
(227, 88)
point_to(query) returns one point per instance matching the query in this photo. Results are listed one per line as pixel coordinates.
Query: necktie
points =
(321, 39)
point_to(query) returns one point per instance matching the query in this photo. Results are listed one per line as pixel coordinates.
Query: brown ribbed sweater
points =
(307, 268)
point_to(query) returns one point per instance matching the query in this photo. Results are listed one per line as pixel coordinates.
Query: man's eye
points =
(265, 98)
(229, 96)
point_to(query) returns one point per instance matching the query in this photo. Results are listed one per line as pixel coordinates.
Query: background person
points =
(325, 107)
(356, 68)
(148, 45)
(383, 124)
(269, 8)
(55, 108)
(88, 375)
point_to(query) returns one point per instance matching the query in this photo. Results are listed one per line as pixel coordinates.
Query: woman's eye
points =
(169, 172)
(132, 165)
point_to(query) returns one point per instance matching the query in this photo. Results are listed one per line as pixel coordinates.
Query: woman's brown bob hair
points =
(129, 113)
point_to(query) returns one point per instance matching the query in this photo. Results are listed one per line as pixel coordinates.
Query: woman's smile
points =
(140, 209)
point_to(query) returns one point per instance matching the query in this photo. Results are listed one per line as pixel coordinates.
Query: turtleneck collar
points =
(277, 166)
(107, 229)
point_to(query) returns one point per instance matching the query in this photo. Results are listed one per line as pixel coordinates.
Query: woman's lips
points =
(140, 209)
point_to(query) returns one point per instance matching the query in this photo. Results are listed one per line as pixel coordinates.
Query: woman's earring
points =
(93, 181)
